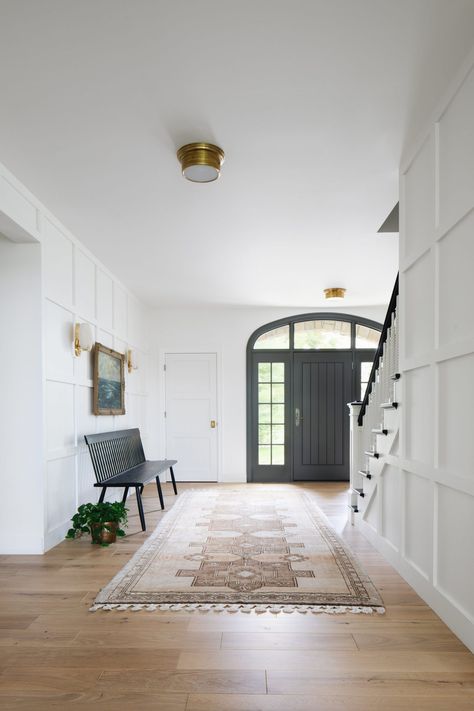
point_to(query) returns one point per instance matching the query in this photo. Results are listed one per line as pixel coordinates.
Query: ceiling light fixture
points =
(335, 293)
(201, 162)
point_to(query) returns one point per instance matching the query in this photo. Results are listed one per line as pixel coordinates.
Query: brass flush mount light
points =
(201, 162)
(334, 293)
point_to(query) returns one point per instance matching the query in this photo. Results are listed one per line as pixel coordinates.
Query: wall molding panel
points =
(96, 297)
(434, 510)
(75, 287)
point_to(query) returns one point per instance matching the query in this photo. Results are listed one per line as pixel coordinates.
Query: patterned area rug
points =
(241, 548)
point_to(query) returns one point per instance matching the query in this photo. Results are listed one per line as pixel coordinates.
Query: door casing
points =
(358, 355)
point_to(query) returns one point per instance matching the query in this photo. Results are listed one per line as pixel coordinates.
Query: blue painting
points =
(108, 382)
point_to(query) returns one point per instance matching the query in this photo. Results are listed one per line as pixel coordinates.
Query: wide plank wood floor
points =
(54, 653)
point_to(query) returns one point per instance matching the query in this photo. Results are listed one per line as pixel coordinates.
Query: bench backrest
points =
(115, 452)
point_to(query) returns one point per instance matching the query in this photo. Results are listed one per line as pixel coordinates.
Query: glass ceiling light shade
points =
(201, 162)
(83, 338)
(335, 293)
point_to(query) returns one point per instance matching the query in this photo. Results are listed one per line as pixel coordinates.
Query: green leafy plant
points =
(95, 519)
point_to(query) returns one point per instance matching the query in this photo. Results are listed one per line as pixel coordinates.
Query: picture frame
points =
(109, 381)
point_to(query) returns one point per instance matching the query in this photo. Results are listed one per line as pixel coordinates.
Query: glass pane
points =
(365, 369)
(264, 455)
(271, 414)
(278, 373)
(278, 434)
(278, 454)
(277, 338)
(264, 392)
(278, 392)
(264, 372)
(322, 334)
(278, 414)
(366, 337)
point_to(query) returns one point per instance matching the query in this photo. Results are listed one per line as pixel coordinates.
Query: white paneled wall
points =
(46, 449)
(426, 525)
(77, 288)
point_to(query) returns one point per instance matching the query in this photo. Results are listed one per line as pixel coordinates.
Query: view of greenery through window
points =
(277, 338)
(322, 334)
(271, 413)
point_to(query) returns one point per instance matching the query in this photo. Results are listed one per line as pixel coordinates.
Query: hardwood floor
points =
(54, 653)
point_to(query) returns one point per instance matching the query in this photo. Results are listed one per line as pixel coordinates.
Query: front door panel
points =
(322, 389)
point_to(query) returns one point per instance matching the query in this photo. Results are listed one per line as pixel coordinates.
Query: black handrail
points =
(392, 307)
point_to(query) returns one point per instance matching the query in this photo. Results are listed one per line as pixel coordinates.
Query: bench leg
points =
(160, 493)
(140, 507)
(102, 494)
(141, 489)
(173, 480)
(125, 494)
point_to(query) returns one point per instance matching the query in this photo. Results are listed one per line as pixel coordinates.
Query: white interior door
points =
(191, 414)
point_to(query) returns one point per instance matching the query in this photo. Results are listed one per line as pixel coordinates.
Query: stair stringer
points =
(369, 518)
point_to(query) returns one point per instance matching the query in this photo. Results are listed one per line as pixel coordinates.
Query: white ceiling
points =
(311, 101)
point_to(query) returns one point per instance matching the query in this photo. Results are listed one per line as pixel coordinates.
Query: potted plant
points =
(102, 521)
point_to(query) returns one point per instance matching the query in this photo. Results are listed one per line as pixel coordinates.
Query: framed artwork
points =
(109, 381)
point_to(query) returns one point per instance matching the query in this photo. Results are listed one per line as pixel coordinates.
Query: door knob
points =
(213, 424)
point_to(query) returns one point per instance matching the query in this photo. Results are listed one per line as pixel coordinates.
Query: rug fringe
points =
(257, 609)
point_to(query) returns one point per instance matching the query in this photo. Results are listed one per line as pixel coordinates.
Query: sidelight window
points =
(271, 413)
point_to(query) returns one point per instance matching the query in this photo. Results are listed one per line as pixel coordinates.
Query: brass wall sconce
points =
(132, 363)
(83, 338)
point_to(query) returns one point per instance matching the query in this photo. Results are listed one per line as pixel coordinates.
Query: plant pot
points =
(104, 532)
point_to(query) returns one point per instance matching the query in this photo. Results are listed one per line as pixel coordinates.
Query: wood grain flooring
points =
(55, 654)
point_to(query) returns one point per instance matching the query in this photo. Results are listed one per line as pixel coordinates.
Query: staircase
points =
(375, 426)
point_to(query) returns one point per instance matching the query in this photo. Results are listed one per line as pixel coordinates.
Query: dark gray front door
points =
(322, 389)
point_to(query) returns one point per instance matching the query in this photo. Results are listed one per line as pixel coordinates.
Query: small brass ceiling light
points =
(335, 293)
(201, 162)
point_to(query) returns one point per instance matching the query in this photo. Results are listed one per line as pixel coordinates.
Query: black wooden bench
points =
(119, 461)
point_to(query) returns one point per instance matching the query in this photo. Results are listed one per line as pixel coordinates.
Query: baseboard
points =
(30, 549)
(459, 623)
(56, 535)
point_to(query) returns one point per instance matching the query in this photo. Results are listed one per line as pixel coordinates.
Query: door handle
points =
(213, 424)
(298, 417)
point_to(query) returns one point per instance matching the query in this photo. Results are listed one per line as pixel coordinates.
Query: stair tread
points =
(380, 431)
(389, 405)
(372, 453)
(362, 472)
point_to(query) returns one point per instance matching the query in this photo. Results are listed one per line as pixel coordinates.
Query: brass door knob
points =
(213, 424)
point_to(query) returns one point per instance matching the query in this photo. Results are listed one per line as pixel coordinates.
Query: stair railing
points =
(386, 355)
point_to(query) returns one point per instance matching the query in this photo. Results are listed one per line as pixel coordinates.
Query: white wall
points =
(426, 526)
(70, 286)
(224, 331)
(78, 288)
(21, 384)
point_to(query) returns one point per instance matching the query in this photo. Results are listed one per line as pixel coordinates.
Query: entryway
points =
(301, 373)
(191, 414)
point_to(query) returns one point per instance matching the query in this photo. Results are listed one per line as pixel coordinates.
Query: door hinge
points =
(164, 367)
(164, 414)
